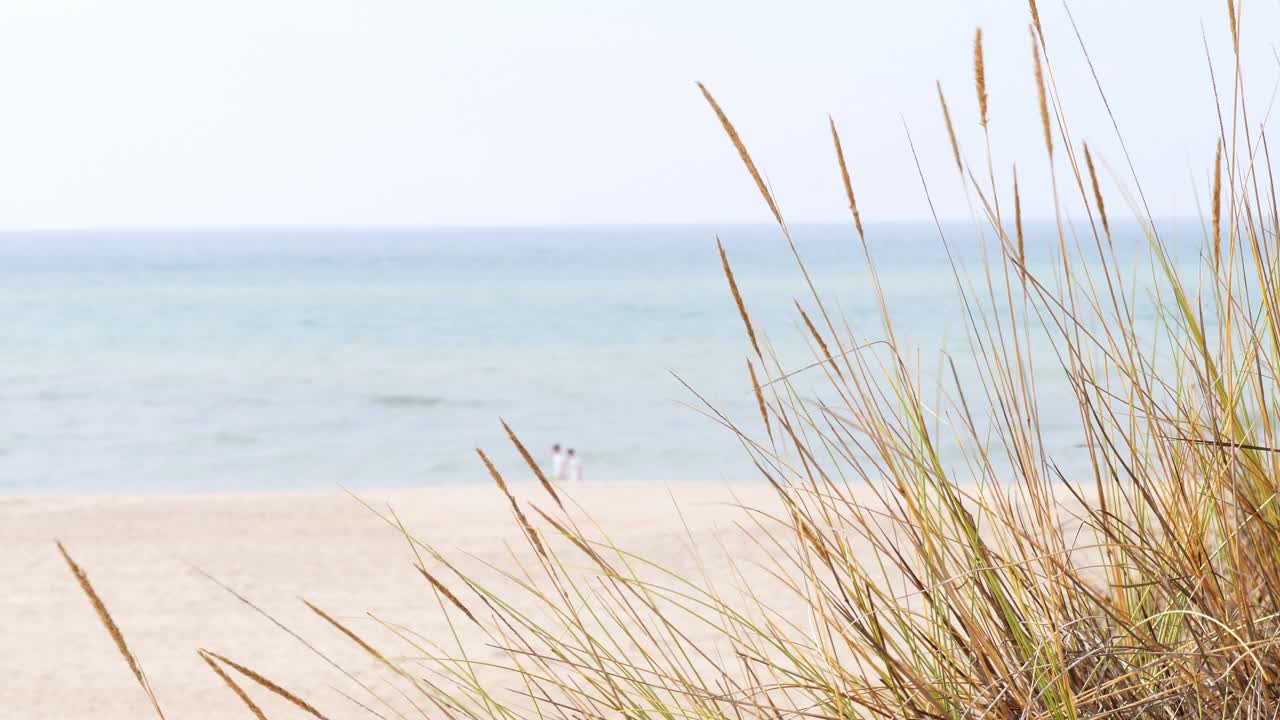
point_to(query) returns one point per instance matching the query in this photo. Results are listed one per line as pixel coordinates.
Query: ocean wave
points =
(54, 396)
(398, 400)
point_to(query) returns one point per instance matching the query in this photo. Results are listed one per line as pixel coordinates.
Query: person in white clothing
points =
(575, 467)
(557, 463)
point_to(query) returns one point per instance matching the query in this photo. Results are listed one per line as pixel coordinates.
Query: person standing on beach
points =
(557, 463)
(575, 468)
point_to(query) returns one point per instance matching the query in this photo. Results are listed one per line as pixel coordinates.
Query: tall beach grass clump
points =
(1146, 584)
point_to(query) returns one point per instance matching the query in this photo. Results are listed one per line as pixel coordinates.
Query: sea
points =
(283, 360)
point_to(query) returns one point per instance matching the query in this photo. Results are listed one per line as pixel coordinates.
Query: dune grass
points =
(1146, 586)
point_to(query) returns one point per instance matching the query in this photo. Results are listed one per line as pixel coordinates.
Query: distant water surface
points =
(248, 360)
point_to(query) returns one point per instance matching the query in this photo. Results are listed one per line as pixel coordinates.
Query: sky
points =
(236, 113)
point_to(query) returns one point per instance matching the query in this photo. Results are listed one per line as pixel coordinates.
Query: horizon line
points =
(461, 227)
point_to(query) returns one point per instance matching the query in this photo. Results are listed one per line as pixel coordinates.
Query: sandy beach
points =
(140, 554)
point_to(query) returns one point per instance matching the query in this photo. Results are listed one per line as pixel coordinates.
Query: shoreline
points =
(486, 482)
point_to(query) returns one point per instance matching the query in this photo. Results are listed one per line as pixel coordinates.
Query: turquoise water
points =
(248, 360)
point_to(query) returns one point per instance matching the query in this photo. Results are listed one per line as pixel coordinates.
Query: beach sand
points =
(139, 552)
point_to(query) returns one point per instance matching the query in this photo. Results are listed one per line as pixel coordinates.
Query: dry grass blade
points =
(533, 465)
(1216, 208)
(529, 530)
(448, 594)
(951, 131)
(1097, 191)
(1035, 17)
(737, 299)
(576, 539)
(348, 632)
(268, 684)
(759, 393)
(817, 337)
(1041, 98)
(1224, 444)
(844, 176)
(742, 151)
(231, 683)
(980, 77)
(112, 629)
(1235, 26)
(1017, 220)
(1017, 226)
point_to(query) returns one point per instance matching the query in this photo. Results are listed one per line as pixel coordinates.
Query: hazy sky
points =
(485, 112)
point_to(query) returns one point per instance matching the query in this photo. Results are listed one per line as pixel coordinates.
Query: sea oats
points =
(529, 530)
(112, 629)
(266, 683)
(813, 537)
(1040, 95)
(980, 77)
(844, 176)
(742, 152)
(1017, 225)
(575, 539)
(1097, 192)
(448, 594)
(348, 632)
(1217, 203)
(755, 388)
(1235, 27)
(737, 298)
(537, 471)
(951, 131)
(817, 337)
(235, 687)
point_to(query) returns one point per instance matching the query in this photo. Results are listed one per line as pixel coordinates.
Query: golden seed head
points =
(1097, 191)
(732, 132)
(737, 299)
(980, 77)
(951, 131)
(1216, 208)
(848, 186)
(1040, 95)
